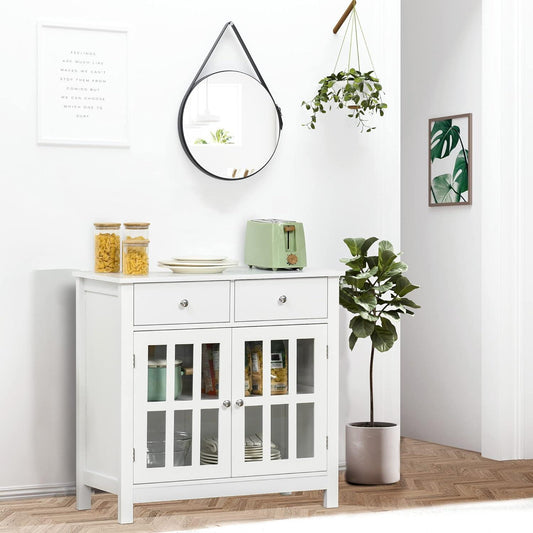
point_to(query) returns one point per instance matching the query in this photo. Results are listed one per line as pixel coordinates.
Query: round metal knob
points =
(282, 299)
(184, 303)
(239, 403)
(226, 403)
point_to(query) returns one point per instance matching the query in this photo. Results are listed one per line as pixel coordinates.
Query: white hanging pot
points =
(372, 453)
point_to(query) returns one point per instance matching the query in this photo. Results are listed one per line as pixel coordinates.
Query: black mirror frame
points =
(197, 80)
(182, 134)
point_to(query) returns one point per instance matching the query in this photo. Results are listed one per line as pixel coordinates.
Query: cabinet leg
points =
(83, 497)
(331, 497)
(125, 510)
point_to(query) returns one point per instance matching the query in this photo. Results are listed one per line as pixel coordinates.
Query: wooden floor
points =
(431, 475)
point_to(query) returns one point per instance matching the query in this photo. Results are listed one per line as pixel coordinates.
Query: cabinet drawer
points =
(181, 303)
(280, 299)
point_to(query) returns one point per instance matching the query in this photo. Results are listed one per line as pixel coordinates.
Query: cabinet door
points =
(279, 399)
(182, 429)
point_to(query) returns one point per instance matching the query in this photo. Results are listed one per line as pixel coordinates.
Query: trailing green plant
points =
(449, 188)
(374, 290)
(358, 92)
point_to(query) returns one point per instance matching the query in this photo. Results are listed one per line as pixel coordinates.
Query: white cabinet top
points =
(234, 273)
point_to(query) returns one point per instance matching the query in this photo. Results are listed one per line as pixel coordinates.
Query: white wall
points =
(507, 369)
(337, 182)
(525, 114)
(441, 344)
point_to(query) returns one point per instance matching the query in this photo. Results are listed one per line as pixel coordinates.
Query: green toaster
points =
(275, 244)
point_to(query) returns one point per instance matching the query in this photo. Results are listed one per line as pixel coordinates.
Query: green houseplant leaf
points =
(408, 303)
(386, 258)
(385, 245)
(382, 339)
(373, 291)
(361, 328)
(367, 300)
(367, 244)
(354, 245)
(403, 286)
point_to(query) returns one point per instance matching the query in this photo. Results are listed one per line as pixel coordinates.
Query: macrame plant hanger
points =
(350, 88)
(353, 23)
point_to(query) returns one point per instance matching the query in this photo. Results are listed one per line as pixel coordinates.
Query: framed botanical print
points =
(450, 160)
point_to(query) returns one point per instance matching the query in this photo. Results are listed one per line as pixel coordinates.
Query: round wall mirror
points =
(229, 125)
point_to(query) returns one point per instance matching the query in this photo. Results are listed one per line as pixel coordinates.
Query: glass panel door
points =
(182, 420)
(279, 399)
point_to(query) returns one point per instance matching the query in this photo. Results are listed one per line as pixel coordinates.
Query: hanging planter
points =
(360, 93)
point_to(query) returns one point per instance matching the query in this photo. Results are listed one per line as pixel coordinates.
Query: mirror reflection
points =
(229, 125)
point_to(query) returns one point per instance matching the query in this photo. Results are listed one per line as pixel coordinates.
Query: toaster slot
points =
(290, 237)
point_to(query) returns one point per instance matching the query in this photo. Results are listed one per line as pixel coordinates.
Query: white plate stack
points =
(253, 450)
(197, 264)
(209, 451)
(208, 458)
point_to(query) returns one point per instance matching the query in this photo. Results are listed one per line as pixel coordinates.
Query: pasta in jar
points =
(107, 247)
(256, 363)
(278, 368)
(135, 257)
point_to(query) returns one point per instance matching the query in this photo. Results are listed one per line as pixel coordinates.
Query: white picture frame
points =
(82, 85)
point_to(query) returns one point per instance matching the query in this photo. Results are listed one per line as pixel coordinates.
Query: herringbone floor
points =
(431, 475)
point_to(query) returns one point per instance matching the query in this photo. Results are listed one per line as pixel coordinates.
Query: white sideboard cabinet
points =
(195, 386)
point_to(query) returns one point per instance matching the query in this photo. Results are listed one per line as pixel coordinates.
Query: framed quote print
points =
(82, 84)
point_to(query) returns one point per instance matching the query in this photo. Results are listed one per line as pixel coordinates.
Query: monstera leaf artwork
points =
(444, 138)
(449, 160)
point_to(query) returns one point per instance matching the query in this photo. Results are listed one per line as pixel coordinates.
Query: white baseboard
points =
(58, 489)
(37, 491)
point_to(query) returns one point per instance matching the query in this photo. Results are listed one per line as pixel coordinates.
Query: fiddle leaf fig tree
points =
(373, 289)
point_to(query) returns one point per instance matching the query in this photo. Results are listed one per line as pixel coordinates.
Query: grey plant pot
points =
(372, 453)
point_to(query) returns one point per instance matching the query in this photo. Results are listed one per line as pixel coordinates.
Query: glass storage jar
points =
(136, 230)
(135, 257)
(107, 247)
(182, 446)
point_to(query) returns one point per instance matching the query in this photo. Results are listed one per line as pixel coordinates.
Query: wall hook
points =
(344, 16)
